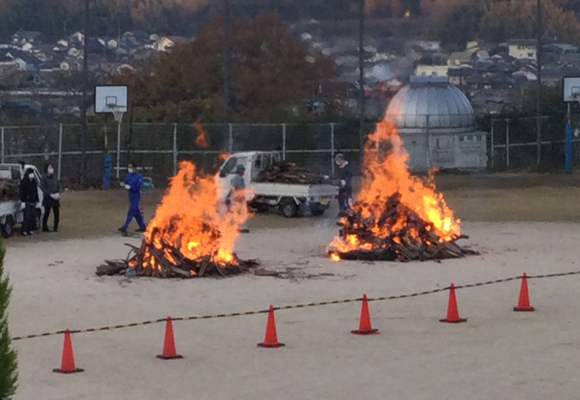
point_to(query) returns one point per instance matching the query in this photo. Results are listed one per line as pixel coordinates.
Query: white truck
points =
(290, 199)
(11, 211)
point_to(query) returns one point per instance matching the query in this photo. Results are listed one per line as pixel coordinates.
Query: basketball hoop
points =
(117, 112)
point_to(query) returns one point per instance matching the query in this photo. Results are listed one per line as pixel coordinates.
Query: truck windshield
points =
(228, 167)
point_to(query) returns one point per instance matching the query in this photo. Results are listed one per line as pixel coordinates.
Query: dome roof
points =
(431, 99)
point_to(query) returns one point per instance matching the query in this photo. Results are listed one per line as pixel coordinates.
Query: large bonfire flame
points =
(396, 216)
(192, 233)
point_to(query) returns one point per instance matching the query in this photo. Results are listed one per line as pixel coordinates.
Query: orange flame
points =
(202, 139)
(191, 219)
(387, 174)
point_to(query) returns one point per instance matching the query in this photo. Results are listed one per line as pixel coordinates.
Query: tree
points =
(8, 362)
(271, 72)
(460, 21)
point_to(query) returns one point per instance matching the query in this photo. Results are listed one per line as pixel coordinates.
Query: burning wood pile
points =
(397, 216)
(287, 172)
(190, 236)
(9, 189)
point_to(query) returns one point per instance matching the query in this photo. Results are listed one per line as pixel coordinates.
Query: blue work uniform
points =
(135, 181)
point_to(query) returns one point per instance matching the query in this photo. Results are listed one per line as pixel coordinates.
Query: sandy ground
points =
(497, 354)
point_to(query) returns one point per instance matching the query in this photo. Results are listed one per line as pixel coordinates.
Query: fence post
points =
(492, 150)
(59, 150)
(174, 148)
(507, 143)
(2, 139)
(332, 150)
(428, 144)
(118, 150)
(230, 138)
(284, 141)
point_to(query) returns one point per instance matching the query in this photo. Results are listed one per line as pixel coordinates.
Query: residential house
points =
(428, 70)
(459, 59)
(522, 49)
(458, 75)
(25, 37)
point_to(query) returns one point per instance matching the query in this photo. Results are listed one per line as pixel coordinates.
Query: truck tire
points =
(289, 208)
(8, 227)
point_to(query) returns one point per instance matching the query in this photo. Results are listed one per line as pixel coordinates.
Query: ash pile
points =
(287, 172)
(398, 234)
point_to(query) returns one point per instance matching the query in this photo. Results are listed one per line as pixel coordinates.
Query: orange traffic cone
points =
(365, 325)
(271, 339)
(452, 310)
(169, 352)
(68, 357)
(524, 302)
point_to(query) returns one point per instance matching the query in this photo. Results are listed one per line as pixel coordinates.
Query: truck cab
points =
(11, 211)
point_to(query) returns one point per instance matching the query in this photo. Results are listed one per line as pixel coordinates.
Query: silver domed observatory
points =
(437, 124)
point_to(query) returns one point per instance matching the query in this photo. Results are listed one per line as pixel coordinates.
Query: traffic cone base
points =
(453, 321)
(367, 332)
(169, 352)
(271, 346)
(528, 309)
(60, 371)
(67, 365)
(271, 338)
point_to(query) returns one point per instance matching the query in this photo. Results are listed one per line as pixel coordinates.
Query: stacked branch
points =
(287, 172)
(9, 189)
(397, 234)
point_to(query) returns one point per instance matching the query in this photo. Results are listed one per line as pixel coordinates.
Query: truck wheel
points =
(8, 227)
(289, 208)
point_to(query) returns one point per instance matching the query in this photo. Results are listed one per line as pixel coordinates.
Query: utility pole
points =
(85, 90)
(361, 67)
(540, 32)
(226, 64)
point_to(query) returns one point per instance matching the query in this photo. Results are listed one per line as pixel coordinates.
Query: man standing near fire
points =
(237, 196)
(344, 178)
(133, 183)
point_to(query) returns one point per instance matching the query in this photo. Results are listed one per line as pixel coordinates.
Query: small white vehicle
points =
(290, 199)
(11, 212)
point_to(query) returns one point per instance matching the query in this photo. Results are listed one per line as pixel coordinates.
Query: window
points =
(530, 55)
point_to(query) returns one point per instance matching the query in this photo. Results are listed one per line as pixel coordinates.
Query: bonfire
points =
(396, 215)
(192, 234)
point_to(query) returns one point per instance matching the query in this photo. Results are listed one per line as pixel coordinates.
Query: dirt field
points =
(519, 223)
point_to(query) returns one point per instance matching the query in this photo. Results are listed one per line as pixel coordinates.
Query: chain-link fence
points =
(158, 148)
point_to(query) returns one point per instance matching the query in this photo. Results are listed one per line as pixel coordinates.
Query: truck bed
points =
(10, 207)
(293, 190)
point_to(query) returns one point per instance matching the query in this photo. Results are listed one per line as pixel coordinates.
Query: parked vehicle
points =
(290, 199)
(11, 211)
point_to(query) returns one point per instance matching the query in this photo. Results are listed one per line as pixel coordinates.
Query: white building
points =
(428, 70)
(522, 49)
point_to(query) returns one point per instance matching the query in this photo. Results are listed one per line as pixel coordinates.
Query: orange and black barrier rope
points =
(290, 307)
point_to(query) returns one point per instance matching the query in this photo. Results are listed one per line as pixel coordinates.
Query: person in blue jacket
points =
(133, 183)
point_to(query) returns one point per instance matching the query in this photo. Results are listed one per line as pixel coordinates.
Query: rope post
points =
(60, 129)
(174, 148)
(118, 150)
(332, 150)
(284, 141)
(2, 144)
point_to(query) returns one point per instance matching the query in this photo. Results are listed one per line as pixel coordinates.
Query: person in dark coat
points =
(29, 196)
(50, 187)
(344, 176)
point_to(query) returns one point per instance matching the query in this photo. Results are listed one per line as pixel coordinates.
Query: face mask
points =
(31, 176)
(51, 170)
(131, 170)
(337, 162)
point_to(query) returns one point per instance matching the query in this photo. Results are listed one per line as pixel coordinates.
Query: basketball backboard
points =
(111, 99)
(571, 89)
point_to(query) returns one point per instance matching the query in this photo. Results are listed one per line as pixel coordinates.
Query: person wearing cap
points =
(237, 194)
(344, 176)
